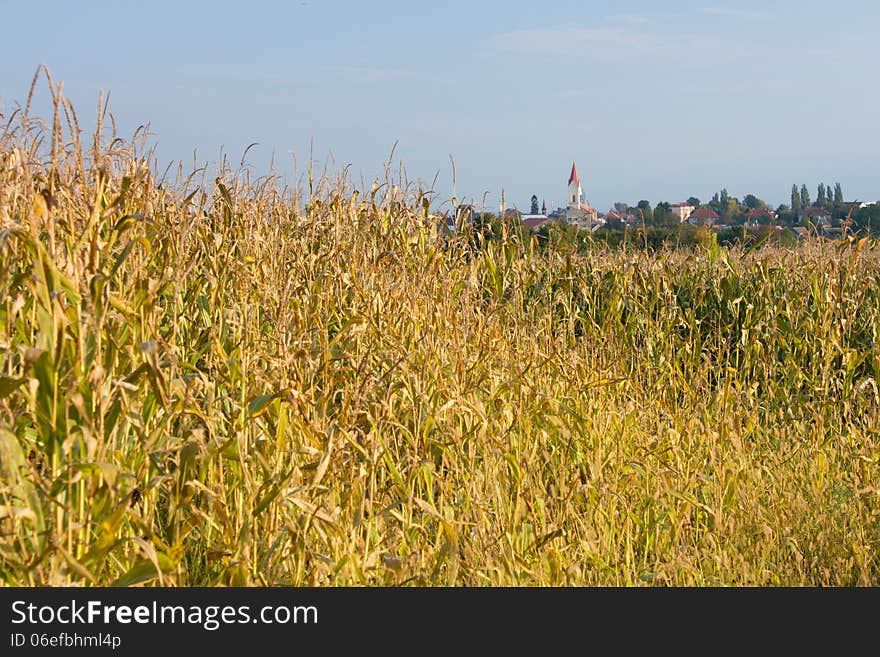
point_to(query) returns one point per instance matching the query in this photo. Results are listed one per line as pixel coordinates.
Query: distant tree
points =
(766, 218)
(838, 193)
(724, 197)
(535, 209)
(621, 207)
(694, 201)
(732, 212)
(613, 223)
(752, 201)
(663, 216)
(805, 197)
(820, 194)
(867, 219)
(795, 200)
(784, 215)
(647, 215)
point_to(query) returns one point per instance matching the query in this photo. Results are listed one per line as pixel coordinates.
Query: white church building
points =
(578, 212)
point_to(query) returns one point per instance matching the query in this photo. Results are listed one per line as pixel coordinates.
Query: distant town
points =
(826, 214)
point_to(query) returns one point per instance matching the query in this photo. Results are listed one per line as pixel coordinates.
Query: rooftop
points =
(704, 212)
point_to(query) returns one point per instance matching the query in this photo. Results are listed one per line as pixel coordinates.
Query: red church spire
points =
(574, 175)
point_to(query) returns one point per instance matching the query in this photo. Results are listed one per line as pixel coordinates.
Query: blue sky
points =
(653, 100)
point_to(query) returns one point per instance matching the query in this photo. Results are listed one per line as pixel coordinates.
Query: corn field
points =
(216, 380)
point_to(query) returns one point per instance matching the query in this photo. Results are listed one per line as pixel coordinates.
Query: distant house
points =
(534, 221)
(818, 215)
(801, 232)
(703, 215)
(583, 216)
(681, 210)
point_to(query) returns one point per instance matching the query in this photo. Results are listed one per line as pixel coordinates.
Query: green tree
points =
(820, 194)
(694, 201)
(765, 218)
(795, 200)
(785, 216)
(752, 201)
(613, 223)
(805, 197)
(867, 218)
(621, 207)
(733, 212)
(838, 193)
(644, 208)
(534, 209)
(663, 216)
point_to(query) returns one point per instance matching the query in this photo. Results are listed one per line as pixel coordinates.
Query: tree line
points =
(735, 212)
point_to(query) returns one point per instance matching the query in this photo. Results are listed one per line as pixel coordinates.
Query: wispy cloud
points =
(742, 14)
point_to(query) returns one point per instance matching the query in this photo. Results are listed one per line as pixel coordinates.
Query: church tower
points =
(578, 213)
(575, 193)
